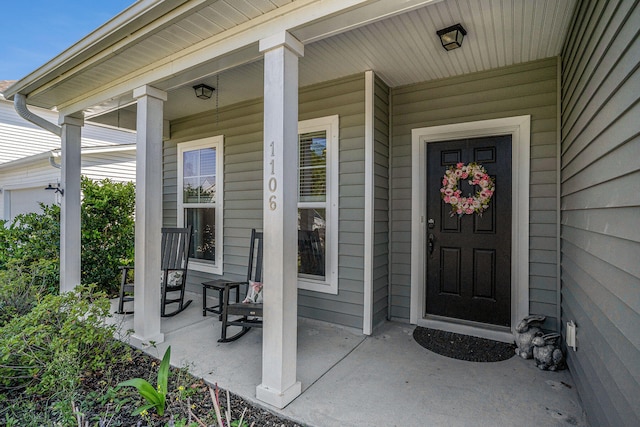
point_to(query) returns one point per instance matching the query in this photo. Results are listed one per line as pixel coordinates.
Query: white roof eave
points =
(308, 19)
(132, 18)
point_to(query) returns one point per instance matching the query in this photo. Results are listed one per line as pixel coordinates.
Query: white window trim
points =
(331, 124)
(216, 142)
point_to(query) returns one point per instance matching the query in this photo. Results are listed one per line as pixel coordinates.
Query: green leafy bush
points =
(107, 231)
(21, 287)
(107, 236)
(31, 237)
(47, 351)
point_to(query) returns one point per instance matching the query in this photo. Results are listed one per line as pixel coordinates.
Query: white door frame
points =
(519, 128)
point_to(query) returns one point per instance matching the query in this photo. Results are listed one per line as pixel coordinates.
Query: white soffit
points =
(162, 39)
(402, 49)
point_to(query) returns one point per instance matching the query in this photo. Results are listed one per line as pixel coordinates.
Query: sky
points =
(32, 32)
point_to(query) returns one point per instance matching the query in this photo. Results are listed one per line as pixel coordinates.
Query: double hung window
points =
(200, 200)
(318, 204)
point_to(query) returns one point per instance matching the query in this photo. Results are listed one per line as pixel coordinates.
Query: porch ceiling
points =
(398, 42)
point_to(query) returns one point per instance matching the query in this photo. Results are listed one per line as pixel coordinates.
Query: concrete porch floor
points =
(386, 379)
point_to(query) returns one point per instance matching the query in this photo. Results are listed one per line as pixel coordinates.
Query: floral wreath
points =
(461, 205)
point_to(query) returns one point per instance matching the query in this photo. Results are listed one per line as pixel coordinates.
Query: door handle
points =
(431, 243)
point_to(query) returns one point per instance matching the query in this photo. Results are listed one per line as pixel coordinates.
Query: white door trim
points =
(519, 128)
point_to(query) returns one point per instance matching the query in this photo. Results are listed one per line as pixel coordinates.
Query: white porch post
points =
(70, 202)
(279, 343)
(146, 306)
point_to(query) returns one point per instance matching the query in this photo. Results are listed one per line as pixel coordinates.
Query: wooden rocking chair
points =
(175, 258)
(250, 312)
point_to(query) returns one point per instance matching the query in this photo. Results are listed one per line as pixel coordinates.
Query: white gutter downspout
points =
(20, 105)
(70, 140)
(52, 160)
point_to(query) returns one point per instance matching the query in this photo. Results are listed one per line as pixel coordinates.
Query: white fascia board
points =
(19, 163)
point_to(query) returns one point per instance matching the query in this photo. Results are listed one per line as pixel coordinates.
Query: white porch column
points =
(279, 343)
(146, 305)
(70, 202)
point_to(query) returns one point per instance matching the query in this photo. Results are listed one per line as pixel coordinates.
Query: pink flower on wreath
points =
(476, 175)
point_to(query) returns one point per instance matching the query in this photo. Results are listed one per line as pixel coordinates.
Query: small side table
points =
(220, 285)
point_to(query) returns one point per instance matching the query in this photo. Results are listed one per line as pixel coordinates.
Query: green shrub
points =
(107, 231)
(107, 236)
(31, 237)
(47, 351)
(21, 287)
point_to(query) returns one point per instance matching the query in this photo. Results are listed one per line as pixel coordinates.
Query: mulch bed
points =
(463, 347)
(98, 402)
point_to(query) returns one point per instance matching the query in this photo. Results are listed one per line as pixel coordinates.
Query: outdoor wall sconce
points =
(57, 189)
(451, 37)
(203, 91)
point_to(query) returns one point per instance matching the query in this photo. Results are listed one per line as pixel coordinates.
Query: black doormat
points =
(463, 347)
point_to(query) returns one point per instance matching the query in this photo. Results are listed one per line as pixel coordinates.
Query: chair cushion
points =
(254, 293)
(174, 278)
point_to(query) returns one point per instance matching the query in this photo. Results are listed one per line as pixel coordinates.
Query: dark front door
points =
(469, 256)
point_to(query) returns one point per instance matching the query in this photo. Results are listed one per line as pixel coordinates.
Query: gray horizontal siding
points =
(169, 184)
(600, 203)
(344, 97)
(526, 89)
(241, 126)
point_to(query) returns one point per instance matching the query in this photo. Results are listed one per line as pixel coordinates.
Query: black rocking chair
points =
(310, 252)
(250, 313)
(174, 261)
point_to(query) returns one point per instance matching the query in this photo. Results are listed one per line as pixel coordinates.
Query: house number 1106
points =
(273, 182)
